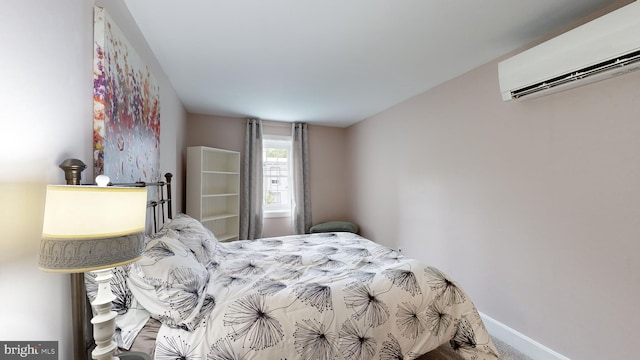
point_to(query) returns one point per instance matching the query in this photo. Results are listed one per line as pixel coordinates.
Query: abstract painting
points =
(126, 108)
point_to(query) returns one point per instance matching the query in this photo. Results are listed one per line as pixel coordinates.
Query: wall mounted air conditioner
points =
(605, 47)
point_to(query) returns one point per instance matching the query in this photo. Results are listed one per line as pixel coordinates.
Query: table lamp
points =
(94, 228)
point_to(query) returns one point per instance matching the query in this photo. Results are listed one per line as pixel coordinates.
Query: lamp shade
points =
(91, 227)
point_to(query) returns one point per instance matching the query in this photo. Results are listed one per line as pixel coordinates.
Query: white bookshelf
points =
(213, 190)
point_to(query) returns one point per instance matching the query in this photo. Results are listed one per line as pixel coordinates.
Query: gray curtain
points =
(301, 207)
(251, 207)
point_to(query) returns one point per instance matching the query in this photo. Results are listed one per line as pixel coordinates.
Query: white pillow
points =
(195, 235)
(170, 282)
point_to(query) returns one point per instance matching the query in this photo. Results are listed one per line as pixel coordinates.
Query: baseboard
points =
(520, 342)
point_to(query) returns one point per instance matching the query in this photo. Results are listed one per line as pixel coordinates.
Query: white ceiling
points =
(333, 62)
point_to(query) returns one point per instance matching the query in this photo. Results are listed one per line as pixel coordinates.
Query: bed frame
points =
(160, 210)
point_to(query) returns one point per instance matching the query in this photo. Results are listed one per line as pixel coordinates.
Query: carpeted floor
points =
(445, 352)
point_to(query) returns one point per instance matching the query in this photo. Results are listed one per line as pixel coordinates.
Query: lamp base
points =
(104, 322)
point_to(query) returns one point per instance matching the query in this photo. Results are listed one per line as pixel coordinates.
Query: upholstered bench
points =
(334, 226)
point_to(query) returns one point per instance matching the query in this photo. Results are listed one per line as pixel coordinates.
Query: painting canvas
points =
(126, 114)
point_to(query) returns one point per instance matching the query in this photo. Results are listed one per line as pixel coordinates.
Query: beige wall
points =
(327, 158)
(47, 116)
(534, 207)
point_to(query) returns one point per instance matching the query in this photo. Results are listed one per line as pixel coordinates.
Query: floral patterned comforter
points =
(318, 296)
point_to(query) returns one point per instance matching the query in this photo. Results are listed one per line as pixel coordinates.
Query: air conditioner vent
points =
(614, 67)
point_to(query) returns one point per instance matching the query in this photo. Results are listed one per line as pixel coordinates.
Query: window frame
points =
(277, 142)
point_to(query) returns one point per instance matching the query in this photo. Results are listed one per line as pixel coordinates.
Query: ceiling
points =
(333, 62)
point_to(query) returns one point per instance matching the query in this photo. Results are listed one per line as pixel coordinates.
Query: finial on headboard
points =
(168, 176)
(73, 170)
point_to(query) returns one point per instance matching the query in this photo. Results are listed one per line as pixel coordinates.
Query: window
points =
(276, 154)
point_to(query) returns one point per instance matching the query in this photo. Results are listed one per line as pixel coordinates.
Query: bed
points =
(315, 296)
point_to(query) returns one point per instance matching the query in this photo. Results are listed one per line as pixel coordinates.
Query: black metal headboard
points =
(157, 204)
